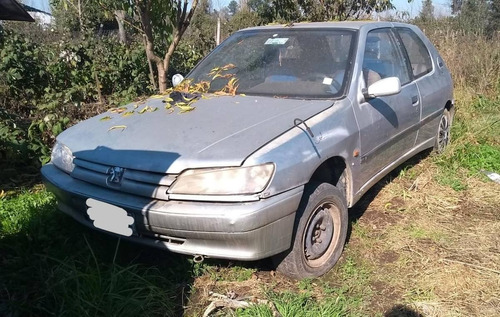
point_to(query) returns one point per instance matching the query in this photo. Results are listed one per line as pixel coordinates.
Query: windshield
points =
(286, 63)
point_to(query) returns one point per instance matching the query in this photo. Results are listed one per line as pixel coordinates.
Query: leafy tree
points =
(286, 10)
(243, 19)
(263, 8)
(473, 16)
(77, 15)
(163, 23)
(233, 7)
(325, 10)
(427, 12)
(316, 10)
(201, 31)
(493, 25)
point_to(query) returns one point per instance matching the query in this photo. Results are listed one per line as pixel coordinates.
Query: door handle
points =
(414, 101)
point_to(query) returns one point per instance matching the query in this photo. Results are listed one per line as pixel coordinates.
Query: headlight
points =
(62, 157)
(224, 181)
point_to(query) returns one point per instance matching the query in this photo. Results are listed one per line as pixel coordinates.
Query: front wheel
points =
(320, 233)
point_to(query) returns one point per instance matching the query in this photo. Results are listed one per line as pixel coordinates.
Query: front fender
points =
(297, 153)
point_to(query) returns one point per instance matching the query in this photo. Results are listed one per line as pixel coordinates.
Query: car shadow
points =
(56, 265)
(402, 311)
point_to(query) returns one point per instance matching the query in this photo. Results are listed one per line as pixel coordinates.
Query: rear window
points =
(420, 59)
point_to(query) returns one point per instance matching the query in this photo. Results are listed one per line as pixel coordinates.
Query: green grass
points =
(18, 214)
(475, 144)
(418, 295)
(417, 232)
(52, 265)
(291, 304)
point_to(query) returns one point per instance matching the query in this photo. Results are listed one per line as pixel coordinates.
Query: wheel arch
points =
(335, 171)
(450, 106)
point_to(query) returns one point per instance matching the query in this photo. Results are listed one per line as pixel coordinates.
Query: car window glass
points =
(383, 58)
(420, 59)
(286, 63)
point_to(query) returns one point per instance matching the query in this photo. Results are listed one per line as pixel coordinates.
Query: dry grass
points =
(446, 244)
(473, 60)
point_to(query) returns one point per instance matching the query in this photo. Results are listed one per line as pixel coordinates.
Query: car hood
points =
(220, 131)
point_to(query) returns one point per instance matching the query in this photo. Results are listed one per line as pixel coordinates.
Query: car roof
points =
(355, 25)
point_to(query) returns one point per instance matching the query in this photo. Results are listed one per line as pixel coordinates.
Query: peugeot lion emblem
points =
(115, 176)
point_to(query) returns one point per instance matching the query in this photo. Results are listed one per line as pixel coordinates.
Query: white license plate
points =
(110, 218)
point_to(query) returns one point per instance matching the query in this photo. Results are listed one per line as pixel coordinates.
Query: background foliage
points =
(50, 265)
(52, 77)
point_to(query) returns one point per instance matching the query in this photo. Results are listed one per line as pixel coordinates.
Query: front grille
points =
(141, 183)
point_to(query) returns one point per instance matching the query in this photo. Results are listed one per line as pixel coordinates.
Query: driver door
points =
(387, 124)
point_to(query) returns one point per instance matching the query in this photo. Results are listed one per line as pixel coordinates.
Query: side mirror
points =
(384, 87)
(177, 79)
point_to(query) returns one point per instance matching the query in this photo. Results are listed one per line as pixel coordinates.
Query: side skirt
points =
(419, 148)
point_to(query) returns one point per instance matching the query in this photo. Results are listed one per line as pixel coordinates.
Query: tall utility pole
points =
(217, 37)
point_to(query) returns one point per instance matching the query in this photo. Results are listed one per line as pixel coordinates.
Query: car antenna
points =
(298, 121)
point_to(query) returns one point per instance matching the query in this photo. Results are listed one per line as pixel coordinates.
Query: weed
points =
(419, 294)
(359, 230)
(417, 232)
(240, 274)
(255, 311)
(18, 214)
(304, 304)
(305, 284)
(291, 304)
(353, 270)
(448, 176)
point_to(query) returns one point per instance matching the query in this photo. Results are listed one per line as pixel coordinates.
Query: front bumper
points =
(240, 231)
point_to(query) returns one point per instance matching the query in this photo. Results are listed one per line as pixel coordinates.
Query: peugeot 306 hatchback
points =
(262, 148)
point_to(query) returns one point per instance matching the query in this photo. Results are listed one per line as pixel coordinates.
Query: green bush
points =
(51, 82)
(12, 138)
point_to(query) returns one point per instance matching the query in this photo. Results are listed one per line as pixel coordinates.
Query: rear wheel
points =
(320, 233)
(443, 136)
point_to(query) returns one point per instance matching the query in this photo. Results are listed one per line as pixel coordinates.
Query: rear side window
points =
(420, 59)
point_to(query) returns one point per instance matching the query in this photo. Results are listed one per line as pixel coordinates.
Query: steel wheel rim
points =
(443, 133)
(322, 234)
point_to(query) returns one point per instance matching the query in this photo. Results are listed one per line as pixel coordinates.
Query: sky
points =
(42, 5)
(441, 7)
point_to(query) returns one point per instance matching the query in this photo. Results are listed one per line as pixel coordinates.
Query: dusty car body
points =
(271, 169)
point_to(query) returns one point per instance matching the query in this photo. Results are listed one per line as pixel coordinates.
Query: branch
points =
(180, 22)
(219, 300)
(182, 25)
(124, 20)
(147, 29)
(191, 12)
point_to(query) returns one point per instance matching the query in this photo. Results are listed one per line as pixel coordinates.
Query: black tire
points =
(319, 234)
(443, 135)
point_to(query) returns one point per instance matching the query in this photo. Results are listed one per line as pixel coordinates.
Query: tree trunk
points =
(182, 22)
(122, 34)
(162, 76)
(80, 20)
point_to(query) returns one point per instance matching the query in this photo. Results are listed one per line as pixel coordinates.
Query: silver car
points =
(292, 126)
